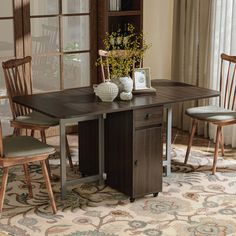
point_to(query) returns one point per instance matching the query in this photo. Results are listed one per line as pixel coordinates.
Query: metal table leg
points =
(167, 162)
(63, 156)
(63, 162)
(101, 149)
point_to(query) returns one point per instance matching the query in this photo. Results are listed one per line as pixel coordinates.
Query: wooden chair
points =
(18, 81)
(222, 115)
(23, 150)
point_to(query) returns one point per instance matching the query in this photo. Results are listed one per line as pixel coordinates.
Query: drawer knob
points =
(148, 116)
(136, 163)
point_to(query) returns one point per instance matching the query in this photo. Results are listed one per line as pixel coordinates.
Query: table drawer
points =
(148, 116)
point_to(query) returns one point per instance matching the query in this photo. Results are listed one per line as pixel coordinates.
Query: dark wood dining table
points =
(81, 104)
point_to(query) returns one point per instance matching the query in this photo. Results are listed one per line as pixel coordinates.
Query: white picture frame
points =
(142, 78)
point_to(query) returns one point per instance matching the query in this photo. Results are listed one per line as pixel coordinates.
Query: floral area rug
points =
(193, 202)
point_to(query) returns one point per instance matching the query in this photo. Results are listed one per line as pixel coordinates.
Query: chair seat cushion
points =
(23, 146)
(37, 118)
(211, 113)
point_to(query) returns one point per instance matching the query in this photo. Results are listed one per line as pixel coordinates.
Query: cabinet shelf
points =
(124, 13)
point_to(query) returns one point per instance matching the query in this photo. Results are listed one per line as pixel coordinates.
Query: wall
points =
(158, 18)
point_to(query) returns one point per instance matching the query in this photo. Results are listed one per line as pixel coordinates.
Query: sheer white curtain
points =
(190, 55)
(203, 29)
(223, 40)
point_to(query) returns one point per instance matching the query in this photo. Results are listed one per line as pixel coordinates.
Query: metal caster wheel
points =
(155, 194)
(132, 199)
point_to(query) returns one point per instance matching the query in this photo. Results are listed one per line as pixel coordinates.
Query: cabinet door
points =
(118, 151)
(88, 147)
(147, 161)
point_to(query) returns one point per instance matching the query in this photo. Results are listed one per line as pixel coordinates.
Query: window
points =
(61, 49)
(57, 33)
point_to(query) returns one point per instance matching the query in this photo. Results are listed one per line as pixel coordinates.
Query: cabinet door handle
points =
(136, 163)
(148, 116)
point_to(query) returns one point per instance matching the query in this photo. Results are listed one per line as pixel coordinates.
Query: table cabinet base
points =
(133, 155)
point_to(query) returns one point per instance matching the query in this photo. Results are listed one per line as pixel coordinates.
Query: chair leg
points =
(194, 126)
(16, 132)
(3, 188)
(43, 136)
(48, 186)
(32, 133)
(218, 134)
(222, 143)
(68, 154)
(27, 178)
(43, 139)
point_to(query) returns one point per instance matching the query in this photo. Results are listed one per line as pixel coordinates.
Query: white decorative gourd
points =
(106, 91)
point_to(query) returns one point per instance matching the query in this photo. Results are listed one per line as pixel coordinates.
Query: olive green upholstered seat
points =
(36, 118)
(19, 146)
(211, 113)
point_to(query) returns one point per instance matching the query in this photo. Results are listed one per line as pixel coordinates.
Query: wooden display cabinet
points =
(131, 11)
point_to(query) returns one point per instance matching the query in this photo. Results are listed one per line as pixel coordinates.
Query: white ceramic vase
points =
(126, 96)
(125, 85)
(106, 91)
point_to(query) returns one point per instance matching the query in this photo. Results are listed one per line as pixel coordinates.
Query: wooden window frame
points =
(23, 32)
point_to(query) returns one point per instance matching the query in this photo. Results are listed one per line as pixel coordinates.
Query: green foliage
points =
(123, 51)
